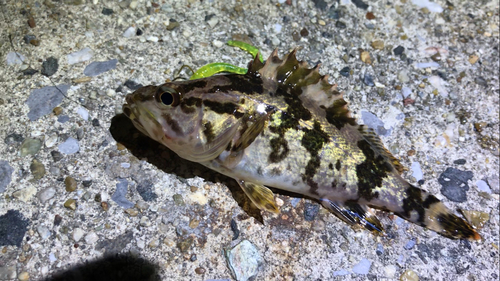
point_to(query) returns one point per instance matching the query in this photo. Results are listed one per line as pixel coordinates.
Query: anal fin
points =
(354, 214)
(260, 195)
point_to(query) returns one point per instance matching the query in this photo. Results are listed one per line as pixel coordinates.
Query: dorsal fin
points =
(315, 92)
(376, 143)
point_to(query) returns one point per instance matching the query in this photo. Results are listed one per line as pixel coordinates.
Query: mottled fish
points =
(283, 125)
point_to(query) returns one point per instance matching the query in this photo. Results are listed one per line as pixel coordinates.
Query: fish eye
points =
(167, 96)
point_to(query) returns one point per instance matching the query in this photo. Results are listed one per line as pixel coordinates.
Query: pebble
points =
(97, 67)
(56, 155)
(43, 231)
(129, 32)
(42, 101)
(63, 118)
(431, 6)
(80, 56)
(17, 226)
(84, 113)
(49, 66)
(5, 175)
(132, 85)
(416, 171)
(346, 71)
(185, 244)
(70, 184)
(23, 276)
(13, 139)
(107, 11)
(365, 57)
(377, 44)
(340, 24)
(153, 39)
(14, 58)
(172, 24)
(363, 267)
(78, 234)
(406, 92)
(145, 222)
(120, 193)
(212, 20)
(373, 122)
(473, 59)
(25, 194)
(368, 80)
(70, 204)
(132, 212)
(408, 275)
(341, 272)
(46, 194)
(133, 4)
(398, 50)
(37, 169)
(311, 210)
(483, 186)
(380, 250)
(410, 244)
(51, 140)
(454, 184)
(91, 238)
(70, 146)
(430, 64)
(244, 260)
(403, 76)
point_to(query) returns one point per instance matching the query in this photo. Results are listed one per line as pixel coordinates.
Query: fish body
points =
(283, 125)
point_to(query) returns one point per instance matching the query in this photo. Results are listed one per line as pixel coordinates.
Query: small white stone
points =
(110, 92)
(140, 243)
(278, 27)
(129, 32)
(24, 194)
(145, 221)
(213, 21)
(153, 39)
(483, 186)
(52, 257)
(125, 165)
(186, 33)
(51, 140)
(133, 4)
(80, 56)
(91, 238)
(43, 231)
(83, 113)
(46, 194)
(217, 43)
(78, 234)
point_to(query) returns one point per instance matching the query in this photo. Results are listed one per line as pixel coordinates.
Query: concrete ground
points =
(79, 184)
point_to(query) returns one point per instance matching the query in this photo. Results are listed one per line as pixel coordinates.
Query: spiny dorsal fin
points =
(377, 145)
(305, 82)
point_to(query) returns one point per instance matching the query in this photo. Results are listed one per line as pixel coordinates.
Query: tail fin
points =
(426, 210)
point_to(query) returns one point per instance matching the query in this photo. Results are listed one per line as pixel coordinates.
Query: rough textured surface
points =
(448, 60)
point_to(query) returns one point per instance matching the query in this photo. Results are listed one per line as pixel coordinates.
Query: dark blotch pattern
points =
(174, 125)
(189, 105)
(313, 140)
(279, 149)
(371, 172)
(194, 85)
(223, 107)
(209, 132)
(415, 202)
(337, 165)
(246, 84)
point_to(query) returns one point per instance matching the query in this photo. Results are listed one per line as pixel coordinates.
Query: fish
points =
(283, 125)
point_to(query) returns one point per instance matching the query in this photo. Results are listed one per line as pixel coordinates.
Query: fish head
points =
(186, 117)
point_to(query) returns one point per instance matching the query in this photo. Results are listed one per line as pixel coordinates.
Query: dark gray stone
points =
(310, 211)
(98, 67)
(42, 101)
(119, 195)
(145, 190)
(360, 4)
(368, 80)
(13, 226)
(454, 184)
(50, 66)
(5, 175)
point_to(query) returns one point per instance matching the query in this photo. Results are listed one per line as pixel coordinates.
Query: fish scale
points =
(283, 125)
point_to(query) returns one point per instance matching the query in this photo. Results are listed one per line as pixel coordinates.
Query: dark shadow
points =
(110, 268)
(144, 148)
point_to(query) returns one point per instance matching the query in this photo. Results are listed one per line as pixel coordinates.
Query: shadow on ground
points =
(144, 148)
(110, 268)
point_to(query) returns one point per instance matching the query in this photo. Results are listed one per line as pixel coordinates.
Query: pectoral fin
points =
(354, 213)
(260, 195)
